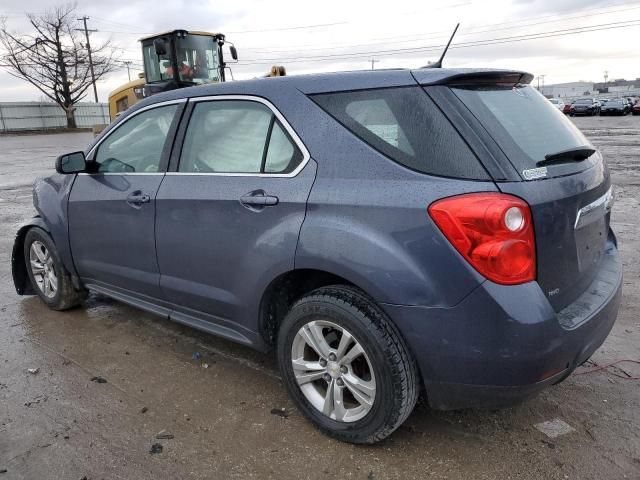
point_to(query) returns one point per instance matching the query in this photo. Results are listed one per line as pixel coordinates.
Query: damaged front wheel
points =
(50, 280)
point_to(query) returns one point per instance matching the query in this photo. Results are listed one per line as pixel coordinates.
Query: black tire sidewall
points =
(37, 234)
(385, 404)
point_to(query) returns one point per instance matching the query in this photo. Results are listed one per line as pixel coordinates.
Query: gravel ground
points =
(60, 424)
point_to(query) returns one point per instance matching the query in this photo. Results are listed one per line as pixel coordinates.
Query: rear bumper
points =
(503, 344)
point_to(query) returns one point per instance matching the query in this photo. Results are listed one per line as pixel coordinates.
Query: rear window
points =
(405, 125)
(525, 125)
(584, 102)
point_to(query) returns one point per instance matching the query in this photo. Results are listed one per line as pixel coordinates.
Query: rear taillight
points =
(493, 231)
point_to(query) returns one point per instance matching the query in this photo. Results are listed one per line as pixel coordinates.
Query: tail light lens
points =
(492, 231)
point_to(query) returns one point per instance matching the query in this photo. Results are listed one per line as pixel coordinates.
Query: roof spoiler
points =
(489, 77)
(498, 78)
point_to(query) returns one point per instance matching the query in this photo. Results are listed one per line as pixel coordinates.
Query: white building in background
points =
(570, 90)
(612, 89)
(619, 86)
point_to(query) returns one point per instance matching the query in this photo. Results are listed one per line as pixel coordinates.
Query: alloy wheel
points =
(42, 269)
(333, 371)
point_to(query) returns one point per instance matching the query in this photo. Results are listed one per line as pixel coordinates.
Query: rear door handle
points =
(137, 198)
(258, 200)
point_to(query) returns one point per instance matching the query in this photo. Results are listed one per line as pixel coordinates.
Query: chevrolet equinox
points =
(387, 232)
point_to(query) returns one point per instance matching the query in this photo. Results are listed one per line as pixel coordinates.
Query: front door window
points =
(136, 146)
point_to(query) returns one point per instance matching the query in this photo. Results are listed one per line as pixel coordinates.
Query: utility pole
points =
(542, 91)
(86, 32)
(538, 78)
(606, 77)
(373, 60)
(127, 63)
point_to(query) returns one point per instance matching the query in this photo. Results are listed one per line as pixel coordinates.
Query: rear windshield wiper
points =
(565, 156)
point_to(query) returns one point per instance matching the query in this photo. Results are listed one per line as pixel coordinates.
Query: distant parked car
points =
(567, 108)
(636, 109)
(616, 106)
(556, 102)
(585, 106)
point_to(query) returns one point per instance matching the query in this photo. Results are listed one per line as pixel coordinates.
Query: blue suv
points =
(387, 232)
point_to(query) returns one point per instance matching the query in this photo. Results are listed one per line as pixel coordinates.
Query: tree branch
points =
(52, 57)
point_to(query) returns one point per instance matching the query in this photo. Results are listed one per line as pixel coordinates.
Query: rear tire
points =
(50, 280)
(386, 366)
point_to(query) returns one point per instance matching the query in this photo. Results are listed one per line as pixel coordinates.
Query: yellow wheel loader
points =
(174, 59)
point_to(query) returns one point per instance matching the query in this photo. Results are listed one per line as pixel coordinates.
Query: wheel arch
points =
(284, 290)
(18, 262)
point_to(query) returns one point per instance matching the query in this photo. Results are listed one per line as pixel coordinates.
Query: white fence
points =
(19, 116)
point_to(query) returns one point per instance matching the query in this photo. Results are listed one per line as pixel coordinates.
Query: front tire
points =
(346, 366)
(50, 280)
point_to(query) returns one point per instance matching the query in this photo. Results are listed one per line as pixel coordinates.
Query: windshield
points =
(615, 102)
(525, 125)
(197, 60)
(584, 102)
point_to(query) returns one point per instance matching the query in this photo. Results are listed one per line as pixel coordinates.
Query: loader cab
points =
(179, 59)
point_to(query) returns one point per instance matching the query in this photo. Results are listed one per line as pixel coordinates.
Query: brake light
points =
(492, 231)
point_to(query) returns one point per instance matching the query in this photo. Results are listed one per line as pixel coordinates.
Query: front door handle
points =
(137, 198)
(257, 200)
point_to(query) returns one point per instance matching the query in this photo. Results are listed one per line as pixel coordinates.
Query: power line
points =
(276, 29)
(468, 32)
(491, 41)
(302, 27)
(408, 38)
(120, 24)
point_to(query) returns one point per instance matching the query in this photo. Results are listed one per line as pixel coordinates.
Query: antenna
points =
(438, 64)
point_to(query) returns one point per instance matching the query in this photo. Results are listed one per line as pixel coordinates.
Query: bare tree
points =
(54, 59)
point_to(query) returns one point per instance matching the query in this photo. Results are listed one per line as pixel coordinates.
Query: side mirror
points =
(234, 52)
(160, 47)
(71, 163)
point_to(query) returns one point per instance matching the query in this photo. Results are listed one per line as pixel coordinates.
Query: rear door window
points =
(524, 124)
(405, 125)
(237, 136)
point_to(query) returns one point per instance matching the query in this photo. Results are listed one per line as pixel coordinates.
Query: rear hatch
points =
(561, 176)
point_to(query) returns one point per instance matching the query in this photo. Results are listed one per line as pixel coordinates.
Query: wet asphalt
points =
(59, 424)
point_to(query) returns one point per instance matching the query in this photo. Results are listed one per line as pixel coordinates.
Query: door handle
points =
(257, 200)
(137, 198)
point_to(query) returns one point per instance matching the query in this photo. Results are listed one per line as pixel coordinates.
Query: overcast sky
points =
(345, 35)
